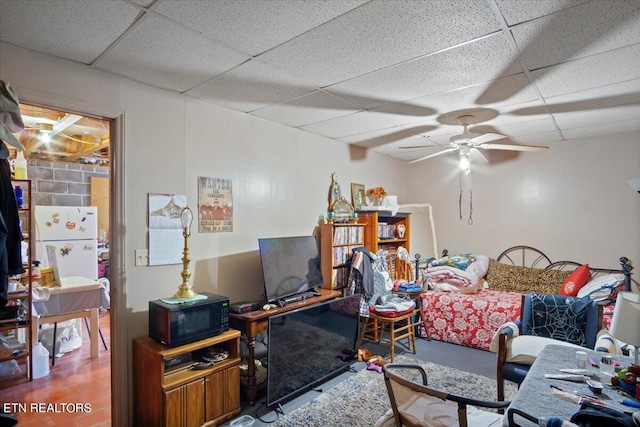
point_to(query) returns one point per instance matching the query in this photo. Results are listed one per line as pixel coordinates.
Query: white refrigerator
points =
(73, 231)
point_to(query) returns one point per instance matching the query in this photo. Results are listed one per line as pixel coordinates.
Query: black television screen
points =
(290, 265)
(305, 344)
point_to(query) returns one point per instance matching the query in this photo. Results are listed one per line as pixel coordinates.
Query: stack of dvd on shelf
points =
(386, 231)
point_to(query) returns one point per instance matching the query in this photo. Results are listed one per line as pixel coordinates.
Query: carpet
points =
(362, 398)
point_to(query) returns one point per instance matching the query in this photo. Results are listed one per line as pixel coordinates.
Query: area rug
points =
(362, 398)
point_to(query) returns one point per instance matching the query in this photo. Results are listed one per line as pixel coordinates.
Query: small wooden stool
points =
(399, 328)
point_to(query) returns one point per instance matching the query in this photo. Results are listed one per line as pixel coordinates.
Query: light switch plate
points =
(142, 257)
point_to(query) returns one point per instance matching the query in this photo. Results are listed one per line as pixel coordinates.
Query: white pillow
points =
(602, 288)
(525, 348)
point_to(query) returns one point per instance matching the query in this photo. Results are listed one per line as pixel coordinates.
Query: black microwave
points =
(183, 323)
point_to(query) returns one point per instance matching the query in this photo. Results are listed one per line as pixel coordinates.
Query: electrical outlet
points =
(142, 257)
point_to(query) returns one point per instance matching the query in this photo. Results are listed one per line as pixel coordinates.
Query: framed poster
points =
(215, 205)
(357, 196)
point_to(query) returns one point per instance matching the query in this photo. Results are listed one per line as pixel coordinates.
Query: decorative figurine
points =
(401, 230)
(335, 193)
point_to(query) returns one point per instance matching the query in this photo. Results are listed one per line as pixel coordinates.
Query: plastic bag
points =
(67, 338)
(10, 367)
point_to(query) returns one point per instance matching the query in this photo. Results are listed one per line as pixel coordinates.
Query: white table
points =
(77, 298)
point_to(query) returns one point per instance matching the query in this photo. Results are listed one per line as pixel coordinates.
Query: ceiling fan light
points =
(465, 163)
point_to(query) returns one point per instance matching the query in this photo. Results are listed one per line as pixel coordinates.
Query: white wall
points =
(280, 177)
(572, 202)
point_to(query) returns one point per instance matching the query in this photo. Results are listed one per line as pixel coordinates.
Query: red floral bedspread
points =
(469, 319)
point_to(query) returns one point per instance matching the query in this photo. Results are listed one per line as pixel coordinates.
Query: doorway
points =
(69, 164)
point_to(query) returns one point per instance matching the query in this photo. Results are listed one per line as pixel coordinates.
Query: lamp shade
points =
(625, 325)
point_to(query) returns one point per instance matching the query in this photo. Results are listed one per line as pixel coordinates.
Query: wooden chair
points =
(416, 404)
(398, 328)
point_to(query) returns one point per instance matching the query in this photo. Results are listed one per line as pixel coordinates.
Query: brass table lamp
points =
(184, 290)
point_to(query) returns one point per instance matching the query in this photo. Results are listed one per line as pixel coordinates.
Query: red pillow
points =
(576, 280)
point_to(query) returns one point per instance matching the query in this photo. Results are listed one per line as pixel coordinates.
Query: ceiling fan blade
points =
(434, 155)
(475, 151)
(512, 147)
(486, 137)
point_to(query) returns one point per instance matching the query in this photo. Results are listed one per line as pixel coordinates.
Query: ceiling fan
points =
(467, 141)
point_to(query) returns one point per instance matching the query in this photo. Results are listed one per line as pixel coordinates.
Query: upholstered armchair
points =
(545, 319)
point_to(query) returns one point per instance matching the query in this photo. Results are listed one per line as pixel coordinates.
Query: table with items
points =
(74, 300)
(540, 396)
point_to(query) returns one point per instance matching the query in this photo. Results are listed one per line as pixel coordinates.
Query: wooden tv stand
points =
(252, 323)
(167, 394)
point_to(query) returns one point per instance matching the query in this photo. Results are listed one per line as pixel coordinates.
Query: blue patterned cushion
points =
(559, 317)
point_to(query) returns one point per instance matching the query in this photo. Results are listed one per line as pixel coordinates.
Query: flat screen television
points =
(290, 265)
(304, 346)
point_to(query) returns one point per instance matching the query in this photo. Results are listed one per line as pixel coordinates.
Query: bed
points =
(471, 319)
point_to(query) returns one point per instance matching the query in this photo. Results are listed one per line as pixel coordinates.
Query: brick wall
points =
(62, 184)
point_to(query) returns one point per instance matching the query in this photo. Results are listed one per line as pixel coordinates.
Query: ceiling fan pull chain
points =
(460, 196)
(470, 220)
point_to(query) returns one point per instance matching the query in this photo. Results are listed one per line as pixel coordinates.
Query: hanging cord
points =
(470, 220)
(467, 172)
(459, 196)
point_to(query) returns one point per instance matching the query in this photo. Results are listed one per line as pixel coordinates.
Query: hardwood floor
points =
(75, 382)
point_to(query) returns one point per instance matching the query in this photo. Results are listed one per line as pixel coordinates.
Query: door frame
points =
(117, 244)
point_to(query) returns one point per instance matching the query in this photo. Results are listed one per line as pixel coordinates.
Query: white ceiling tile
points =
(470, 64)
(161, 53)
(523, 128)
(406, 113)
(598, 116)
(255, 26)
(380, 34)
(391, 138)
(408, 153)
(612, 95)
(492, 94)
(584, 30)
(311, 108)
(543, 138)
(250, 86)
(598, 70)
(515, 12)
(348, 125)
(603, 129)
(80, 32)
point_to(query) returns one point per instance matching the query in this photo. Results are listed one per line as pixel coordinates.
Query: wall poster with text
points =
(215, 205)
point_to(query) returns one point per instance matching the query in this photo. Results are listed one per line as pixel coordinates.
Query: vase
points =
(377, 201)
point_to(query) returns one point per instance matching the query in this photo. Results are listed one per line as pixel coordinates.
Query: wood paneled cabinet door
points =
(184, 405)
(167, 392)
(221, 394)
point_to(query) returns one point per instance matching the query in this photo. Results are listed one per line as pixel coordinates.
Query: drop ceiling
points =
(377, 74)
